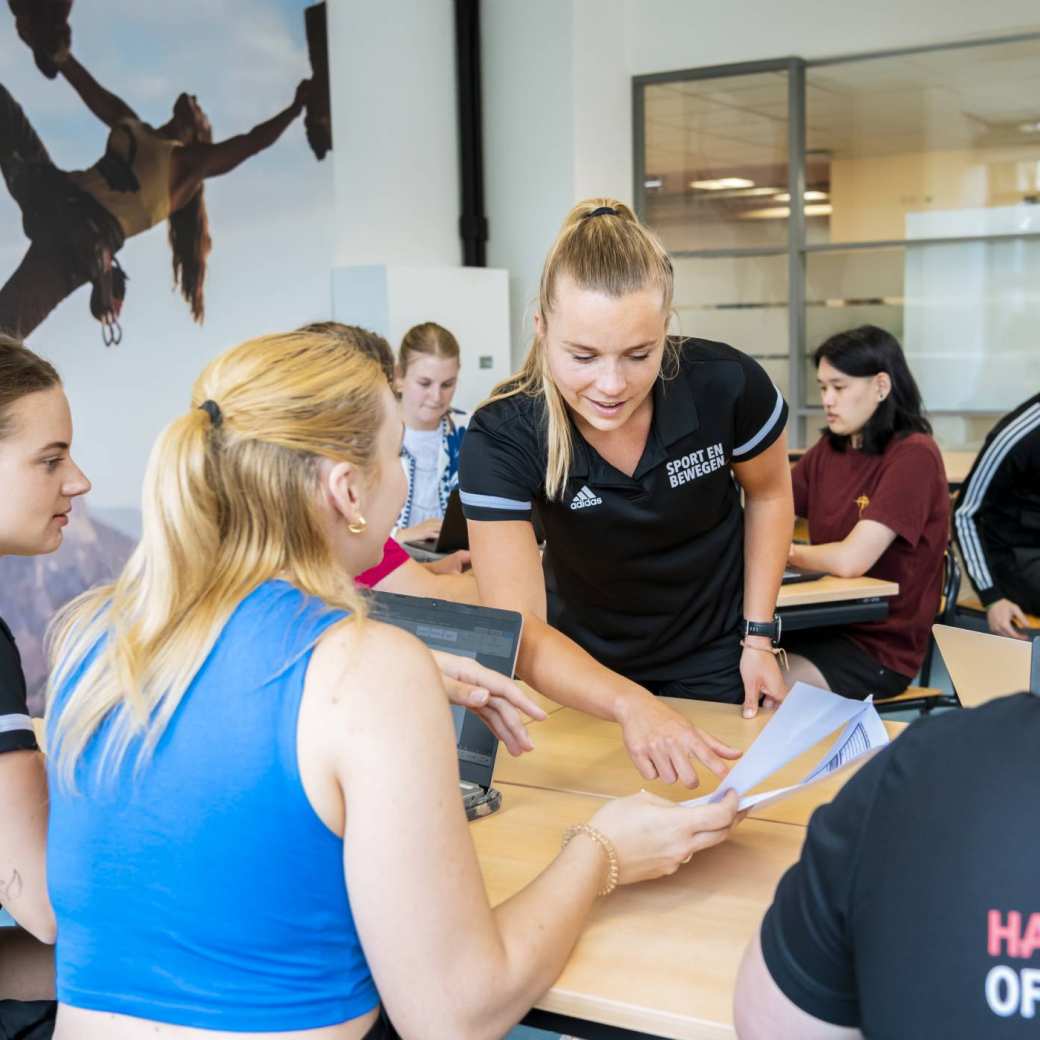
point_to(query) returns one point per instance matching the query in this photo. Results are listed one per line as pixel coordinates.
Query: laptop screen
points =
(487, 635)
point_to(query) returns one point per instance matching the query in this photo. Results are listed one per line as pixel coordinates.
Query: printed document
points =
(806, 716)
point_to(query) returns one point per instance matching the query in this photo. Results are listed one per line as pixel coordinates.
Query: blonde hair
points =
(609, 252)
(230, 501)
(428, 338)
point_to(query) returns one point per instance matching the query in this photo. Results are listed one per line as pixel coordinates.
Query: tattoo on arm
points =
(11, 889)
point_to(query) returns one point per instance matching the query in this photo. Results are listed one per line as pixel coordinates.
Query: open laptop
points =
(454, 534)
(794, 575)
(983, 666)
(487, 635)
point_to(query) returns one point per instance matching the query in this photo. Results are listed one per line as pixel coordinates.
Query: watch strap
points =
(770, 629)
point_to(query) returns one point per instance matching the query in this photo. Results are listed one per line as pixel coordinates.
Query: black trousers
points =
(382, 1029)
(711, 674)
(27, 1020)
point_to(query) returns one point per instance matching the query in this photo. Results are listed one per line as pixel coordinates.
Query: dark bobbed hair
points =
(21, 373)
(867, 351)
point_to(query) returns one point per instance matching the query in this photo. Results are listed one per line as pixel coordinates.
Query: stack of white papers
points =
(806, 716)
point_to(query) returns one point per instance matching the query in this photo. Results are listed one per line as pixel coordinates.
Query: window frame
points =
(797, 249)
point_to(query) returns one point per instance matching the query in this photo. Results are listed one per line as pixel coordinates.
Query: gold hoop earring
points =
(357, 526)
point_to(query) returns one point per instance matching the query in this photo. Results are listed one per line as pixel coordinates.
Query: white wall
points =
(528, 86)
(557, 128)
(471, 301)
(679, 34)
(394, 122)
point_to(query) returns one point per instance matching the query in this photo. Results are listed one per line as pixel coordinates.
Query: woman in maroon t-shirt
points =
(874, 491)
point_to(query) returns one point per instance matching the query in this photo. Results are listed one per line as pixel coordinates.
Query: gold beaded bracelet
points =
(613, 870)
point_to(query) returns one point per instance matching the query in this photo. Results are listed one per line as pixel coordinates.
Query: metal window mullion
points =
(928, 48)
(796, 238)
(912, 243)
(639, 159)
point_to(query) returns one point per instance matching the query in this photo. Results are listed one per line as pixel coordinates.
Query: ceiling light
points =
(653, 182)
(722, 183)
(780, 212)
(809, 196)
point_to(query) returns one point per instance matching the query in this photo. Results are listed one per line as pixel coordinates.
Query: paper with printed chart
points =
(806, 716)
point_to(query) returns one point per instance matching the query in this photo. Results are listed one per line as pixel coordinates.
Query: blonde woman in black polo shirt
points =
(633, 445)
(39, 481)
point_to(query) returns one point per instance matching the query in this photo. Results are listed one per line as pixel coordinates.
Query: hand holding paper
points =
(807, 715)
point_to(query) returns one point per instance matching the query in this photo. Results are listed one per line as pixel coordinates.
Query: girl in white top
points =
(427, 375)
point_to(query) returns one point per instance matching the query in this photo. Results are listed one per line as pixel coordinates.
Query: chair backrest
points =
(951, 587)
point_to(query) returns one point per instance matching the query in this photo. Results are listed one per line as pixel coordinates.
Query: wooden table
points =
(658, 958)
(577, 753)
(957, 465)
(833, 601)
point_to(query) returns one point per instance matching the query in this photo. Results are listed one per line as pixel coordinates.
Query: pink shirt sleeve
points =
(393, 557)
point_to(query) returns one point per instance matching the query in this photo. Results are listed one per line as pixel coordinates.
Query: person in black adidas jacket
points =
(997, 521)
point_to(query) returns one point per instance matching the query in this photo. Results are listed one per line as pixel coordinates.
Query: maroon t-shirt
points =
(905, 489)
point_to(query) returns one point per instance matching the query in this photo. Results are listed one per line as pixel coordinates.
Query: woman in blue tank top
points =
(255, 823)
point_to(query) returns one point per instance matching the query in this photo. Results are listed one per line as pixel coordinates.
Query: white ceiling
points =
(974, 97)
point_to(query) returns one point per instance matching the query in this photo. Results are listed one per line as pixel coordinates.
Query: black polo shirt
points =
(16, 731)
(914, 910)
(641, 571)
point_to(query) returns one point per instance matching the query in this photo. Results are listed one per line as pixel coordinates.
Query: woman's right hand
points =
(302, 96)
(427, 529)
(653, 836)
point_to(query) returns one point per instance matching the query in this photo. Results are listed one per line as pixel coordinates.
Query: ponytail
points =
(230, 501)
(601, 247)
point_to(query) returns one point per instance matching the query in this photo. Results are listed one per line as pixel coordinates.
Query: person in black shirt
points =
(997, 521)
(634, 447)
(39, 480)
(914, 910)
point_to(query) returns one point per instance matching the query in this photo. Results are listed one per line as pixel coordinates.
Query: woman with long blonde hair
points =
(254, 789)
(635, 446)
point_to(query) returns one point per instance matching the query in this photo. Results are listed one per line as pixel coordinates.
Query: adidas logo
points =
(585, 498)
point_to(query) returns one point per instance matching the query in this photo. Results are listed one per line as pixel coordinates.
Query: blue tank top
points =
(205, 891)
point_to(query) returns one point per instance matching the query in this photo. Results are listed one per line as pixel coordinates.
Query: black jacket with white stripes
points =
(997, 520)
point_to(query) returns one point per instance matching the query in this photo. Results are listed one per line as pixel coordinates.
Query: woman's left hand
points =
(762, 678)
(498, 701)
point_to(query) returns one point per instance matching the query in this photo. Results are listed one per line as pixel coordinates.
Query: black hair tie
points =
(212, 409)
(603, 211)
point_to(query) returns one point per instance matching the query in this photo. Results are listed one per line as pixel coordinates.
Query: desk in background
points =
(957, 465)
(659, 959)
(834, 601)
(577, 753)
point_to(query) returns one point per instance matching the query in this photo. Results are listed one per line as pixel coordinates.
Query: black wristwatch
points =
(771, 629)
